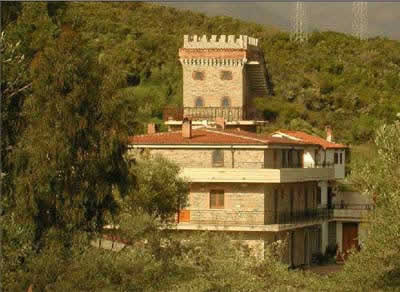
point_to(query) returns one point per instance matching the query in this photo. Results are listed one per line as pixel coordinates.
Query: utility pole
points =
(299, 23)
(360, 20)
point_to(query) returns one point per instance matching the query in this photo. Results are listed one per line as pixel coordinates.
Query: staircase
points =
(257, 80)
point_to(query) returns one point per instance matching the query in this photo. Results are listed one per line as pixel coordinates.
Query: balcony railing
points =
(341, 206)
(304, 216)
(237, 217)
(211, 113)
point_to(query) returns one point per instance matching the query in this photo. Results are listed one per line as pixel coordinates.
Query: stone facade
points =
(202, 158)
(212, 89)
(243, 204)
(240, 56)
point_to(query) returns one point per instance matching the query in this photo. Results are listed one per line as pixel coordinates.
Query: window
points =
(300, 155)
(336, 158)
(341, 158)
(218, 158)
(305, 197)
(284, 158)
(290, 158)
(198, 75)
(319, 196)
(217, 199)
(276, 206)
(226, 75)
(199, 102)
(291, 198)
(225, 102)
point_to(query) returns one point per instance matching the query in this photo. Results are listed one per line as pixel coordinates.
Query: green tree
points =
(70, 158)
(377, 266)
(160, 191)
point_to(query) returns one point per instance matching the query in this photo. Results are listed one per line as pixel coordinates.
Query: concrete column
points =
(324, 226)
(339, 235)
(324, 236)
(324, 193)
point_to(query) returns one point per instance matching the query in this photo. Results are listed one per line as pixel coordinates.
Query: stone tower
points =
(221, 77)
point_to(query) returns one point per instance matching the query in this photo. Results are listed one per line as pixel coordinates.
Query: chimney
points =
(329, 136)
(151, 128)
(186, 128)
(220, 122)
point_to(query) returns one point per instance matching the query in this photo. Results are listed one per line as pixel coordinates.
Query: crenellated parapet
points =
(219, 42)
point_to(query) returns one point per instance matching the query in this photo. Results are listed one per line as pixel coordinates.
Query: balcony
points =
(210, 113)
(238, 220)
(257, 175)
(352, 212)
(304, 216)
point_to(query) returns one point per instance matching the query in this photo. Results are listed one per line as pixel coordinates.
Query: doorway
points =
(350, 237)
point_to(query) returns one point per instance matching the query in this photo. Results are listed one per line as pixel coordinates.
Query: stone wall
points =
(212, 89)
(243, 204)
(219, 42)
(202, 158)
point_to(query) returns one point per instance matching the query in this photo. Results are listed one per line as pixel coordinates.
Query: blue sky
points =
(383, 17)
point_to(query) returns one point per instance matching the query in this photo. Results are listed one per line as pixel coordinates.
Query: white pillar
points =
(339, 235)
(324, 236)
(324, 226)
(324, 193)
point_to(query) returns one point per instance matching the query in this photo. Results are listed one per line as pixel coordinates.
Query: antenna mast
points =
(360, 20)
(299, 23)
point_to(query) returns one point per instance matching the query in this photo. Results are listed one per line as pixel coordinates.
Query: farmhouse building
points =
(260, 188)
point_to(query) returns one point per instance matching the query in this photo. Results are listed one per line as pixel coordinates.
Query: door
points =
(350, 236)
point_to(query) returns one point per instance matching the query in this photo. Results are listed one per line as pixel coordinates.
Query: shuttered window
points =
(226, 75)
(217, 199)
(198, 75)
(218, 158)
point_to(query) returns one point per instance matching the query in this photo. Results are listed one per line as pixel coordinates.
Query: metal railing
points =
(226, 217)
(353, 206)
(238, 217)
(303, 216)
(256, 164)
(210, 113)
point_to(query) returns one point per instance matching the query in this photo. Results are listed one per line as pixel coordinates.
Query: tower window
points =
(225, 102)
(199, 102)
(226, 75)
(198, 75)
(218, 158)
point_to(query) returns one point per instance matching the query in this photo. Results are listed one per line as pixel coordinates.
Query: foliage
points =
(333, 77)
(70, 156)
(377, 265)
(159, 192)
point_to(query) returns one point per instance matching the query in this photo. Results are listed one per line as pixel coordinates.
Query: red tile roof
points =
(213, 137)
(312, 139)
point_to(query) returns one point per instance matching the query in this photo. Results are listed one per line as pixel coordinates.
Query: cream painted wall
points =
(309, 157)
(351, 198)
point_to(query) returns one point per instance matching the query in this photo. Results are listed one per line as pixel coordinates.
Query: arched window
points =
(225, 102)
(199, 102)
(198, 75)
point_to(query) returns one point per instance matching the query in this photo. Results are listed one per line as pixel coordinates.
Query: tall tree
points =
(70, 160)
(377, 266)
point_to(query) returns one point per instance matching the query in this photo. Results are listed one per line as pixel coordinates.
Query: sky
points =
(383, 17)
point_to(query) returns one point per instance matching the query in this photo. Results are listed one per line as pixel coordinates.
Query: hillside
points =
(333, 79)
